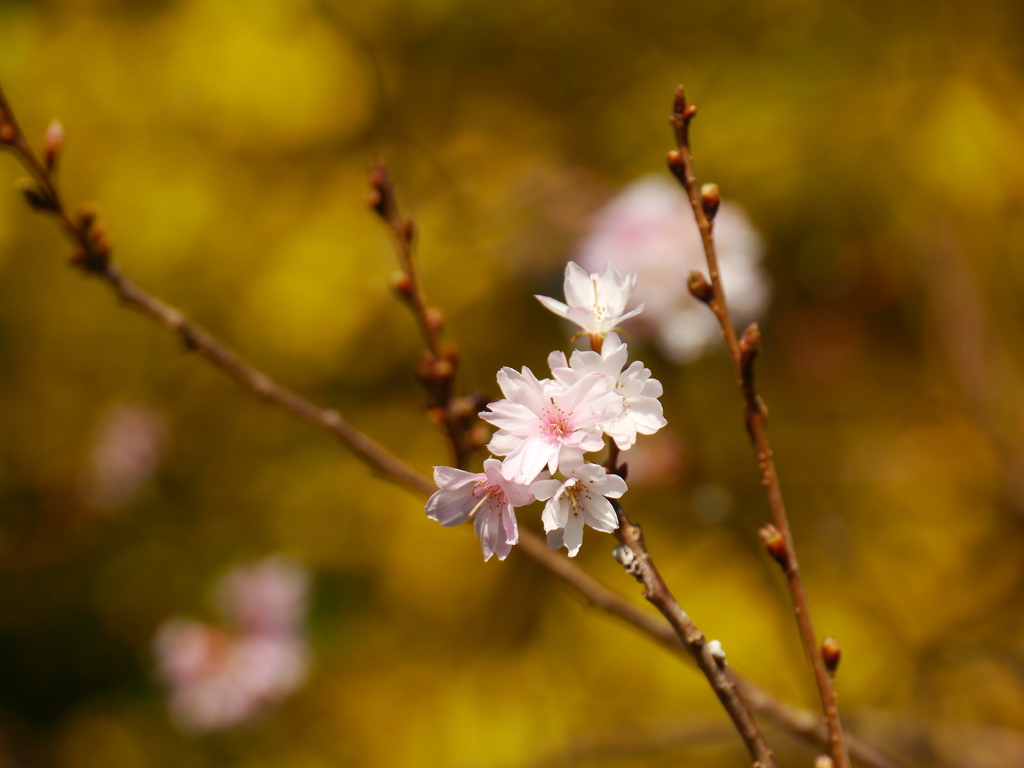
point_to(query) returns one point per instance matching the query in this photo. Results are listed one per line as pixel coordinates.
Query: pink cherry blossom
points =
(541, 423)
(487, 498)
(639, 411)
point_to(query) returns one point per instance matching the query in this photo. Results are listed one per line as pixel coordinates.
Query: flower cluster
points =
(648, 229)
(547, 426)
(221, 677)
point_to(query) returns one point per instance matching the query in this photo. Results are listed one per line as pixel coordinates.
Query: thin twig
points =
(386, 465)
(742, 351)
(438, 367)
(632, 553)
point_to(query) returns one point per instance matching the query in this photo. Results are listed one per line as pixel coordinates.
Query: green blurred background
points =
(878, 147)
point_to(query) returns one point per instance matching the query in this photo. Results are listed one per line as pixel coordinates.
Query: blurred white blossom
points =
(220, 677)
(126, 454)
(649, 229)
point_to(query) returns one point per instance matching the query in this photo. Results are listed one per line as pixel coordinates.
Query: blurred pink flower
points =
(267, 596)
(127, 453)
(649, 229)
(222, 677)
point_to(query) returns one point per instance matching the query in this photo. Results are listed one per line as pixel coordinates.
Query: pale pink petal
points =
(557, 307)
(573, 534)
(579, 288)
(503, 443)
(601, 515)
(451, 508)
(450, 478)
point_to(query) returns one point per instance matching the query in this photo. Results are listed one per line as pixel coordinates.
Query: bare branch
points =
(632, 554)
(704, 202)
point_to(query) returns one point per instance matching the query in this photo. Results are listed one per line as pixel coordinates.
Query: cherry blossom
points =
(485, 497)
(222, 676)
(543, 423)
(595, 302)
(581, 498)
(649, 229)
(639, 412)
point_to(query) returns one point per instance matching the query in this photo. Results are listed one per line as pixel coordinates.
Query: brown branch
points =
(632, 553)
(438, 367)
(83, 234)
(704, 202)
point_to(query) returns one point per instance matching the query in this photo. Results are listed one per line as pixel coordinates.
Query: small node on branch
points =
(436, 415)
(831, 653)
(750, 345)
(442, 369)
(434, 318)
(478, 436)
(53, 143)
(401, 285)
(682, 114)
(625, 557)
(717, 653)
(823, 761)
(382, 193)
(463, 407)
(710, 199)
(774, 542)
(677, 165)
(699, 287)
(8, 131)
(408, 230)
(38, 198)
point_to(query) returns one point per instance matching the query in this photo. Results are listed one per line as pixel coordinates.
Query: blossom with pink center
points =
(639, 412)
(542, 423)
(595, 302)
(487, 498)
(580, 499)
(649, 229)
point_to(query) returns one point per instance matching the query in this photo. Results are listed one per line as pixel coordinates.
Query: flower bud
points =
(478, 436)
(831, 653)
(53, 143)
(823, 761)
(401, 285)
(699, 287)
(8, 131)
(774, 542)
(443, 369)
(434, 318)
(382, 194)
(408, 230)
(750, 345)
(677, 165)
(710, 199)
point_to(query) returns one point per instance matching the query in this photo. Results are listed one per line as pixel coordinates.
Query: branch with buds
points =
(704, 201)
(93, 256)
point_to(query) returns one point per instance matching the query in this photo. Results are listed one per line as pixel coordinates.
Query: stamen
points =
(479, 504)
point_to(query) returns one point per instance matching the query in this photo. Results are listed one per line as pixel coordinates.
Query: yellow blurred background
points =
(877, 146)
